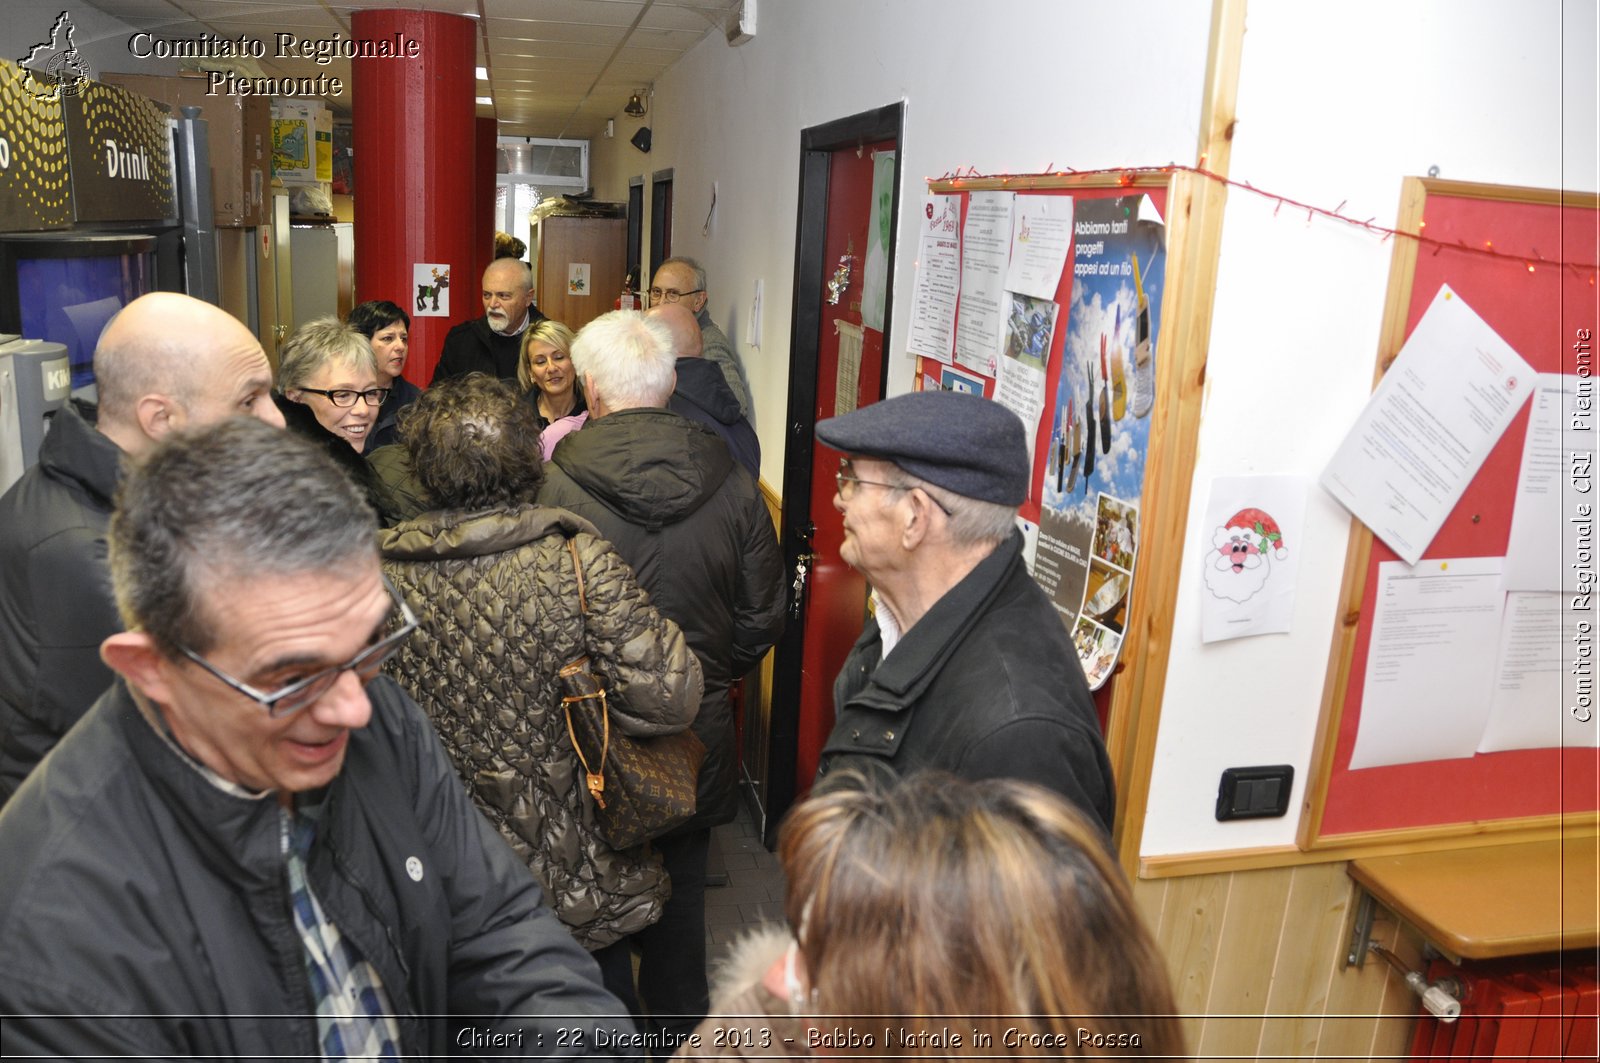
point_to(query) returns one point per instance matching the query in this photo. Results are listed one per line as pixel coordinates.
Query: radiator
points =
(1515, 1012)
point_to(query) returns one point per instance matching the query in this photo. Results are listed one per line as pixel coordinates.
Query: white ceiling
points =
(556, 67)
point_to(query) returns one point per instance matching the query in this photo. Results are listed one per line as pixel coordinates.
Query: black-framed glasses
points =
(288, 700)
(846, 475)
(670, 295)
(344, 398)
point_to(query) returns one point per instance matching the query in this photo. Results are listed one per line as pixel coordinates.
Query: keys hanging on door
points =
(802, 570)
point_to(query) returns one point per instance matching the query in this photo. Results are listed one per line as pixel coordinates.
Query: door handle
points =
(802, 573)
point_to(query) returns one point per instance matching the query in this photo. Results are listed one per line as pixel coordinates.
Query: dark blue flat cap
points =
(964, 443)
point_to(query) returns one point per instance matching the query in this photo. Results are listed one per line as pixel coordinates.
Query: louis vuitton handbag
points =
(642, 787)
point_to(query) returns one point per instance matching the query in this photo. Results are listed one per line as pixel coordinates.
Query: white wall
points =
(1335, 104)
(1007, 88)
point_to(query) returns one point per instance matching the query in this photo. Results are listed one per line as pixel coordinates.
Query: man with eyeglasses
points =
(681, 280)
(254, 844)
(965, 665)
(164, 362)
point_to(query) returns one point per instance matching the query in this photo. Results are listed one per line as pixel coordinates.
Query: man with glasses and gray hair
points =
(681, 280)
(254, 844)
(966, 665)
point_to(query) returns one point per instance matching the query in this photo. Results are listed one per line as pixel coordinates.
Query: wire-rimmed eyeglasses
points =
(846, 475)
(670, 295)
(302, 692)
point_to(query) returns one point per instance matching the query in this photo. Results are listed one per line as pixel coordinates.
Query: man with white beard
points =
(493, 343)
(1238, 562)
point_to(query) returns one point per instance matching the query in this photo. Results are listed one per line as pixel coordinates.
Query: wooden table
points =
(1496, 900)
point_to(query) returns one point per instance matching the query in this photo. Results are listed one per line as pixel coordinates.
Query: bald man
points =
(493, 343)
(163, 363)
(702, 393)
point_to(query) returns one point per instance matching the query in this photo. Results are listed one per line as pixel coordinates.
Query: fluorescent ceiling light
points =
(482, 73)
(486, 101)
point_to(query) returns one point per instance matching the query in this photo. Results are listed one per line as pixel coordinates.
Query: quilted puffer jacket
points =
(496, 596)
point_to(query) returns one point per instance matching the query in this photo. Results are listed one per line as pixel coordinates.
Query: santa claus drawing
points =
(1238, 562)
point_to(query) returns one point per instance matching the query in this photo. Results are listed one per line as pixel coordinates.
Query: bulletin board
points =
(1096, 344)
(1523, 260)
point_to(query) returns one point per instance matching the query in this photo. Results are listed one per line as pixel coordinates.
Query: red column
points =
(414, 135)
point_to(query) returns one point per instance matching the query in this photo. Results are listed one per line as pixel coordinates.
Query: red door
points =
(827, 597)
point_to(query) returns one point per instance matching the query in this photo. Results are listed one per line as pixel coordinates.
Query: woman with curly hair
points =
(945, 919)
(494, 585)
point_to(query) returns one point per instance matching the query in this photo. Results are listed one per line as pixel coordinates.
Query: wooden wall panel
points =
(1257, 964)
(1247, 949)
(1191, 919)
(1319, 899)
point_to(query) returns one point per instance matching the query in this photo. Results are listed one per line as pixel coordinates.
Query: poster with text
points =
(933, 297)
(1100, 423)
(985, 254)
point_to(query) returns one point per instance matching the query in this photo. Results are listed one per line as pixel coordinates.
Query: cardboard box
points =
(302, 142)
(240, 133)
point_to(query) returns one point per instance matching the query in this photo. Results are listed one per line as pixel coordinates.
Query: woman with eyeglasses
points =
(328, 391)
(494, 580)
(328, 369)
(944, 918)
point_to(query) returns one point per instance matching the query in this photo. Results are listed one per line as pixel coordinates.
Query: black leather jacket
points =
(145, 910)
(56, 605)
(694, 528)
(985, 685)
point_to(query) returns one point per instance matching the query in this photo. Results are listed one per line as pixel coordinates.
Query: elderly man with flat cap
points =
(966, 665)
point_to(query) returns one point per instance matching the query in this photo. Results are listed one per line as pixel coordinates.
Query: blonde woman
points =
(550, 382)
(966, 918)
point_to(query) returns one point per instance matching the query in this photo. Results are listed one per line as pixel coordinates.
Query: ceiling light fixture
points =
(635, 106)
(486, 101)
(482, 73)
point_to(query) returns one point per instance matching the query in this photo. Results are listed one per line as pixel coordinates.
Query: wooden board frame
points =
(1193, 214)
(1311, 837)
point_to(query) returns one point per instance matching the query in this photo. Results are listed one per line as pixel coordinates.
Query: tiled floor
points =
(754, 893)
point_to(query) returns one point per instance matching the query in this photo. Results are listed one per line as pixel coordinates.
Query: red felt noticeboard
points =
(1537, 297)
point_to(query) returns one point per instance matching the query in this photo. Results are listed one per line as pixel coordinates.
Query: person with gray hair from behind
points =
(695, 530)
(965, 665)
(164, 362)
(253, 845)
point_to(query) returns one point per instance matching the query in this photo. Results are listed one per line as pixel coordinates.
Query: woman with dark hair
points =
(494, 584)
(938, 905)
(388, 329)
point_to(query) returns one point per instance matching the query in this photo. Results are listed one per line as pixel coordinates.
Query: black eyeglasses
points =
(344, 398)
(844, 476)
(303, 692)
(670, 295)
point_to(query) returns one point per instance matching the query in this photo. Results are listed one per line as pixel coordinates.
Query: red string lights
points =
(1127, 175)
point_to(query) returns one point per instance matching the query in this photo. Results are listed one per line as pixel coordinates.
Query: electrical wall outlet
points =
(1255, 793)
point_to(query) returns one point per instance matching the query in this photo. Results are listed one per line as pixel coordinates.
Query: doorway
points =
(849, 178)
(660, 223)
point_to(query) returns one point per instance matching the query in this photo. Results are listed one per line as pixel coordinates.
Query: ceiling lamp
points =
(635, 106)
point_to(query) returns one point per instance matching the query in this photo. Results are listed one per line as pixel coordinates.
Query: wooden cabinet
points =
(578, 266)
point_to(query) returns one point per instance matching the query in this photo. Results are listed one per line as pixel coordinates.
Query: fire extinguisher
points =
(627, 300)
